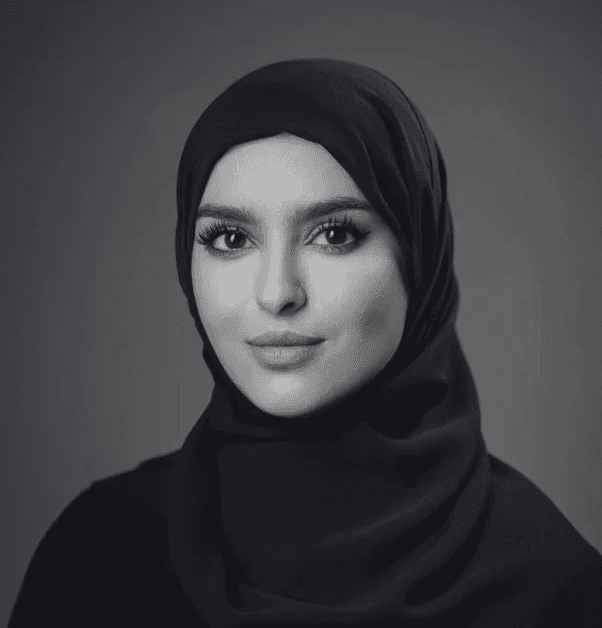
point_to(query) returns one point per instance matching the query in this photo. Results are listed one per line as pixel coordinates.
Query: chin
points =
(291, 395)
(285, 400)
(284, 408)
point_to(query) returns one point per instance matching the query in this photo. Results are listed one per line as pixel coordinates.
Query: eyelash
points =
(211, 232)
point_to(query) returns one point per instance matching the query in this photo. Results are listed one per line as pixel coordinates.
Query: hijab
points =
(366, 511)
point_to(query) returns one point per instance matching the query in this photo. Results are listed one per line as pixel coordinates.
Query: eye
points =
(335, 236)
(341, 235)
(232, 238)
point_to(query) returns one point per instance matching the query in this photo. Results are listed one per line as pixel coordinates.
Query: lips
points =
(283, 339)
(278, 358)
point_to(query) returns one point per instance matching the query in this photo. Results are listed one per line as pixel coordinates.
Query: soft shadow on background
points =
(101, 363)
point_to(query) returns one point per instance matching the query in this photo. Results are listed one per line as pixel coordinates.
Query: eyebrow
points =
(310, 212)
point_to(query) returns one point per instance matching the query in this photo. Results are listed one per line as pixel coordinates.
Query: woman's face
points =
(289, 267)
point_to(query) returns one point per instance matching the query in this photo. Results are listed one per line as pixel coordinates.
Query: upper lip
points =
(283, 339)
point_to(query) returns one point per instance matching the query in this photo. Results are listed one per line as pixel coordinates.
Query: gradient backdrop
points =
(101, 365)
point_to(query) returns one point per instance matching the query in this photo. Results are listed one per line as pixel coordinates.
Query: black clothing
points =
(106, 562)
(382, 508)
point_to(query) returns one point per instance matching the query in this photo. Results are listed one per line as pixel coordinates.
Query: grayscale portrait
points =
(302, 310)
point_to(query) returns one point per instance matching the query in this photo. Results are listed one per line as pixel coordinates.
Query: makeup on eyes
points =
(345, 224)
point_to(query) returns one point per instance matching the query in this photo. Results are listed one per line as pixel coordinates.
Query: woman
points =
(339, 475)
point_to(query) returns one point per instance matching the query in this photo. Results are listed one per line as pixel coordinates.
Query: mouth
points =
(284, 339)
(285, 357)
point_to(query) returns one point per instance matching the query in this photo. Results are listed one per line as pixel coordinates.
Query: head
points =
(372, 280)
(333, 276)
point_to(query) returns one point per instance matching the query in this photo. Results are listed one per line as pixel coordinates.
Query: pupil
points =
(230, 238)
(341, 232)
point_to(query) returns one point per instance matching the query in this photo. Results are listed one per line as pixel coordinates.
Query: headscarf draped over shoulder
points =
(371, 508)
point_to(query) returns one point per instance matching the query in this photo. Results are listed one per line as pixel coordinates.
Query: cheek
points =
(375, 320)
(370, 297)
(218, 299)
(224, 296)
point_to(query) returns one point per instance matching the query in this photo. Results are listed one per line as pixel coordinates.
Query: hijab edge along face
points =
(350, 295)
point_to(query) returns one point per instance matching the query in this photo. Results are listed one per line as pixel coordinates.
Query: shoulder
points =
(110, 542)
(144, 486)
(113, 511)
(526, 523)
(526, 509)
(116, 499)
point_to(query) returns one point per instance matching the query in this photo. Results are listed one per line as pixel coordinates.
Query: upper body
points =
(339, 475)
(106, 561)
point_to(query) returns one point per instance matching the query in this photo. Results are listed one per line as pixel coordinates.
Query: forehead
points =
(278, 173)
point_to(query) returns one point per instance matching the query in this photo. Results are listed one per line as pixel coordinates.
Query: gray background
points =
(101, 364)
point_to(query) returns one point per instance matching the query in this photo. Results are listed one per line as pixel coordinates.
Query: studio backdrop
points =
(101, 363)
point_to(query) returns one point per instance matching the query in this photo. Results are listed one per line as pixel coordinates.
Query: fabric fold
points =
(371, 509)
(263, 523)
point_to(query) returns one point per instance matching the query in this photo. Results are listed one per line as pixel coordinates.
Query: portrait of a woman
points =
(339, 475)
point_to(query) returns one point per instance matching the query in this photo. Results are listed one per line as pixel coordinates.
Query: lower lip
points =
(284, 357)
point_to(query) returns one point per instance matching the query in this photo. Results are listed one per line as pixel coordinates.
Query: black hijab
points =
(370, 509)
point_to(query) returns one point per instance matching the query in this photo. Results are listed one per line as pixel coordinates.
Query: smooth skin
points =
(284, 276)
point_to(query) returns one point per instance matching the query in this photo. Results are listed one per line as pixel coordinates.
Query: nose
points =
(280, 288)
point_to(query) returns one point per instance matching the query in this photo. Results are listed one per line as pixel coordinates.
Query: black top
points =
(106, 562)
